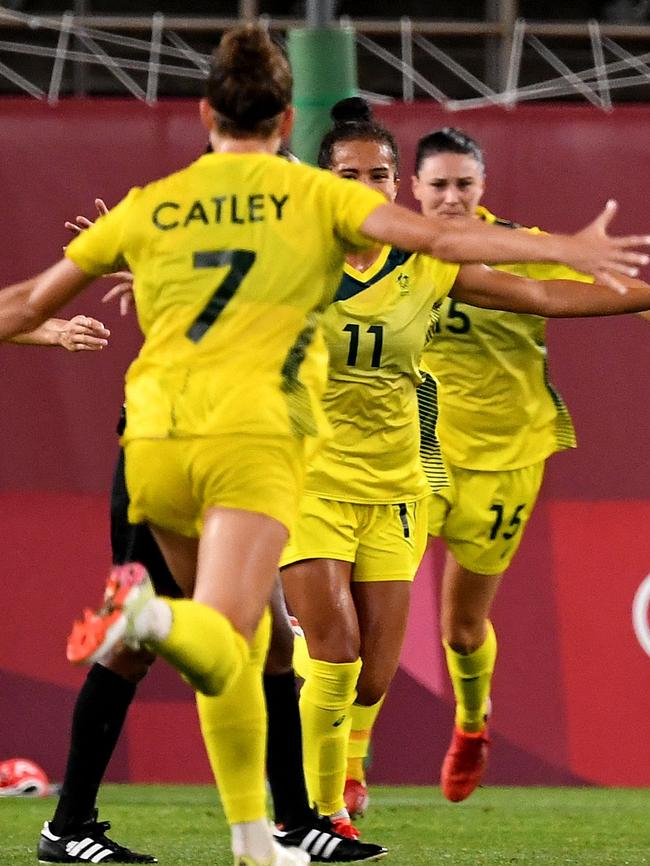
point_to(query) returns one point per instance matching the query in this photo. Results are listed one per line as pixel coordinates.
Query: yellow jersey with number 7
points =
(234, 257)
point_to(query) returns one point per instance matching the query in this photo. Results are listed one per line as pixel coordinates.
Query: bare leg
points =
(319, 593)
(280, 657)
(235, 563)
(236, 566)
(465, 606)
(180, 554)
(382, 609)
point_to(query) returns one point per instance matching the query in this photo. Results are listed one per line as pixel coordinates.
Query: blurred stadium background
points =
(102, 96)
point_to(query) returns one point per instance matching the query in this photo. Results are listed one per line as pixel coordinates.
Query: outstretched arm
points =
(484, 287)
(590, 250)
(79, 334)
(26, 306)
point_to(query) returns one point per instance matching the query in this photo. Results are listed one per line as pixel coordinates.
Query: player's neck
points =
(361, 261)
(227, 144)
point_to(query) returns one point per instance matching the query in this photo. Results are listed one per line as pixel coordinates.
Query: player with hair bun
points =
(234, 259)
(361, 531)
(101, 705)
(348, 568)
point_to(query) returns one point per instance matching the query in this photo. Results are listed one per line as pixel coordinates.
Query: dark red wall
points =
(571, 690)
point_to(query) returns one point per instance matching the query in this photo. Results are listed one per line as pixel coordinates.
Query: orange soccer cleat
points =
(128, 589)
(345, 827)
(464, 764)
(356, 798)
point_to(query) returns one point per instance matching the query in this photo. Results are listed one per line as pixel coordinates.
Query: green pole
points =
(324, 64)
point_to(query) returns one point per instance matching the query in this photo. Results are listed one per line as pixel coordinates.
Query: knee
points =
(332, 639)
(464, 632)
(131, 665)
(369, 693)
(373, 683)
(342, 648)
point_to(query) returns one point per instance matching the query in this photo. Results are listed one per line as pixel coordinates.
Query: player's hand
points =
(605, 257)
(83, 334)
(82, 223)
(123, 291)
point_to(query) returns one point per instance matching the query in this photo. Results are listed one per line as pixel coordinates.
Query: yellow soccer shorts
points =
(482, 515)
(385, 542)
(172, 482)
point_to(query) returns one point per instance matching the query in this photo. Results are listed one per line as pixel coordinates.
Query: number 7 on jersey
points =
(240, 261)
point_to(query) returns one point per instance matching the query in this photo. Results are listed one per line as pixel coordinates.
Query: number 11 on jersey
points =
(377, 331)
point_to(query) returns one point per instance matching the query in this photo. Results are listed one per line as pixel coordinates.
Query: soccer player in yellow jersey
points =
(360, 534)
(362, 528)
(234, 258)
(499, 418)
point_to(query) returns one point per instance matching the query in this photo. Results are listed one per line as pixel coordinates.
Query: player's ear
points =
(286, 122)
(206, 113)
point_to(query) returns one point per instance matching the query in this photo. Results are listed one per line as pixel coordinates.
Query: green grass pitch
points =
(183, 826)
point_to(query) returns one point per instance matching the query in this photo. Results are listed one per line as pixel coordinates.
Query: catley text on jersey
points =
(235, 209)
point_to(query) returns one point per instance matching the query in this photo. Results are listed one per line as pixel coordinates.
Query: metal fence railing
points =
(461, 64)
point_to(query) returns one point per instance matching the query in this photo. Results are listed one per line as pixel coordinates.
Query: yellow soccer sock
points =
(325, 703)
(363, 721)
(471, 677)
(234, 732)
(203, 646)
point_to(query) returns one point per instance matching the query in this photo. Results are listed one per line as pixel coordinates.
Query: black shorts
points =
(134, 542)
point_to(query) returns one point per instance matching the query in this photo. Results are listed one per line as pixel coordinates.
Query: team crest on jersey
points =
(403, 282)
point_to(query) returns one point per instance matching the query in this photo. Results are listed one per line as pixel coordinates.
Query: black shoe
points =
(325, 845)
(87, 845)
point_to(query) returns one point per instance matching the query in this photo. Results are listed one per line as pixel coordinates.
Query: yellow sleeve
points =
(351, 204)
(554, 270)
(444, 276)
(535, 270)
(100, 249)
(557, 271)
